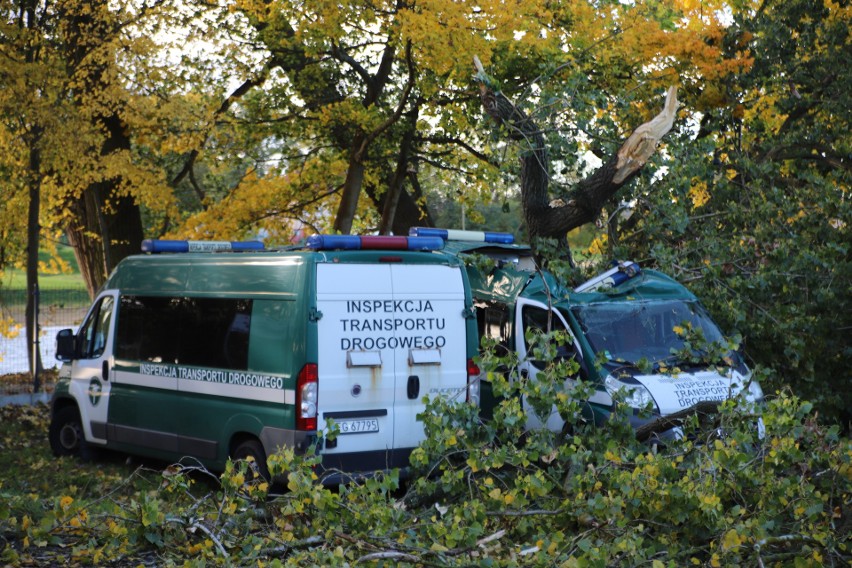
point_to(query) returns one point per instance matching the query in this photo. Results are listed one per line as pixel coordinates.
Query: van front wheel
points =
(66, 433)
(252, 449)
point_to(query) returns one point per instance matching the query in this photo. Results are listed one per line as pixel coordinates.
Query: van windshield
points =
(636, 330)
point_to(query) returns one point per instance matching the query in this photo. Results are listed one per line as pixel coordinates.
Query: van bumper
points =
(349, 467)
(273, 439)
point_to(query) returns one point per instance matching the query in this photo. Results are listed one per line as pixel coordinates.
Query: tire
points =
(252, 448)
(66, 433)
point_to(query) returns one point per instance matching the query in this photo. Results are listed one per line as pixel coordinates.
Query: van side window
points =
(536, 319)
(203, 332)
(95, 332)
(148, 329)
(215, 333)
(493, 322)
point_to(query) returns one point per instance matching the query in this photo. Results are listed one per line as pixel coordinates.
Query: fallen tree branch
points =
(642, 143)
(552, 220)
(388, 555)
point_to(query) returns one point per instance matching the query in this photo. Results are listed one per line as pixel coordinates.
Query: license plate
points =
(358, 426)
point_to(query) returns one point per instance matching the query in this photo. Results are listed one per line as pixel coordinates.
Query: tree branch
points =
(642, 143)
(459, 142)
(546, 220)
(397, 113)
(238, 93)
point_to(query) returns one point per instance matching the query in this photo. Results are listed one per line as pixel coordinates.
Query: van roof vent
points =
(160, 245)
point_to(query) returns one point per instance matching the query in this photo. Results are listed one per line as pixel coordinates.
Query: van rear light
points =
(307, 389)
(473, 382)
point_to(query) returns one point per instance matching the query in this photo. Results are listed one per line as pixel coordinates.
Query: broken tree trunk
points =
(552, 220)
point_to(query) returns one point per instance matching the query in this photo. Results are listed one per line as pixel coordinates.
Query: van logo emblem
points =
(95, 389)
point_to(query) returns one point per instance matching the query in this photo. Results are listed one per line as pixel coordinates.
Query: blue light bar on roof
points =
(457, 235)
(622, 272)
(160, 245)
(371, 242)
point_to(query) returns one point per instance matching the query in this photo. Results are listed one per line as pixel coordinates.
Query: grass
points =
(25, 449)
(58, 293)
(16, 279)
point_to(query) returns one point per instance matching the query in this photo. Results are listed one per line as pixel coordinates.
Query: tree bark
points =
(351, 189)
(33, 139)
(108, 223)
(549, 220)
(33, 234)
(390, 202)
(84, 238)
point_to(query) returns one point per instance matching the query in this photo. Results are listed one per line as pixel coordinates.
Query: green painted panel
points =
(273, 275)
(149, 275)
(203, 274)
(217, 418)
(278, 337)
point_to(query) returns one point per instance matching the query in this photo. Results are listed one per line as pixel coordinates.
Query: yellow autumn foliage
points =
(274, 159)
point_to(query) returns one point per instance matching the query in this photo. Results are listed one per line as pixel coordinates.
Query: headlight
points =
(635, 395)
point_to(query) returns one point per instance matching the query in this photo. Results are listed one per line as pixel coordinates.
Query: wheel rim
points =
(69, 436)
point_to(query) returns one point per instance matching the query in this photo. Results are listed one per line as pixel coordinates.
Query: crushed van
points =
(626, 328)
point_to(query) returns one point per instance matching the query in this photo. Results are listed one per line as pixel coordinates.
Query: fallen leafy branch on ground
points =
(593, 498)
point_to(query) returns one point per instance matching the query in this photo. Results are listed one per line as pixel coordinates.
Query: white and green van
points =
(625, 328)
(219, 350)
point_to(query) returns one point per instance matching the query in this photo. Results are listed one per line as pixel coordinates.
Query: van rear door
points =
(355, 362)
(389, 334)
(431, 359)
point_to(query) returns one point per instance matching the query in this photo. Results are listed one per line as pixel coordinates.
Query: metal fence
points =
(57, 309)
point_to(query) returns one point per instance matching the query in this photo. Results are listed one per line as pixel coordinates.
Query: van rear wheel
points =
(66, 433)
(257, 465)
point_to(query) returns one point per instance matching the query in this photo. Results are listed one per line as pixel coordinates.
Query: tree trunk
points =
(84, 236)
(108, 223)
(102, 235)
(351, 188)
(546, 220)
(121, 223)
(107, 226)
(396, 185)
(33, 233)
(33, 226)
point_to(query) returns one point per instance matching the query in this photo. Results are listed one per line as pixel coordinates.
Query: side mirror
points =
(66, 345)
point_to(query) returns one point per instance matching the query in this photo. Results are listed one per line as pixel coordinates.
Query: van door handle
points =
(105, 370)
(413, 386)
